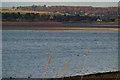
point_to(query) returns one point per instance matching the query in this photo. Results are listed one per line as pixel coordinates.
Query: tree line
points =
(47, 17)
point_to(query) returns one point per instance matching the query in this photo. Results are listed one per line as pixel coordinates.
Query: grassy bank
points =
(28, 11)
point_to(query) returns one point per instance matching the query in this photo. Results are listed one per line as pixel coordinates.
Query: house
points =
(51, 17)
(99, 19)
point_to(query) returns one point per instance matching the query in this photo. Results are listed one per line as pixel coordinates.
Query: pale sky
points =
(60, 0)
(95, 3)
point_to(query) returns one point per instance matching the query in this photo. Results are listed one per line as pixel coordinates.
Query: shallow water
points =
(26, 52)
(62, 25)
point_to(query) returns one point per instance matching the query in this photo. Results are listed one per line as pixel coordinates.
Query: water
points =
(62, 25)
(26, 52)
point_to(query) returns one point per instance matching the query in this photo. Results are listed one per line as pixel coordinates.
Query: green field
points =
(24, 12)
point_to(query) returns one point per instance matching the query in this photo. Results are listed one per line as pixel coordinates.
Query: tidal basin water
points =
(26, 53)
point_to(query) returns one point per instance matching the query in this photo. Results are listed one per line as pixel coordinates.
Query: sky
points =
(95, 3)
(60, 0)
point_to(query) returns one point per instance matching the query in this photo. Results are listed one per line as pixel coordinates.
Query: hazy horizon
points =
(94, 4)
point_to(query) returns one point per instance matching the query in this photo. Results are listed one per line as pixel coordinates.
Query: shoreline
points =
(31, 22)
(58, 26)
(63, 22)
(98, 76)
(55, 28)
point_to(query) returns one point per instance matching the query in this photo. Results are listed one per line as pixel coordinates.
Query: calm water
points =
(26, 52)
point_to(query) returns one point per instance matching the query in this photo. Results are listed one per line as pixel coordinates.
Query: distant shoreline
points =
(65, 22)
(31, 22)
(57, 26)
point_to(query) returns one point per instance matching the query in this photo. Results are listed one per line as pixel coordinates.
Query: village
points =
(61, 13)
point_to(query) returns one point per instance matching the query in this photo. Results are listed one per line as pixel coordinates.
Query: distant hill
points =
(61, 13)
(81, 10)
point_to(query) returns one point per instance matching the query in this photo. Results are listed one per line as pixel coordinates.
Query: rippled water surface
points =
(26, 52)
